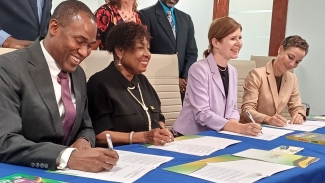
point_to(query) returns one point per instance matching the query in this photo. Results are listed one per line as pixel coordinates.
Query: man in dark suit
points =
(44, 121)
(172, 32)
(22, 21)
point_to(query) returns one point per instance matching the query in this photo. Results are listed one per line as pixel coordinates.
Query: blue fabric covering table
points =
(314, 173)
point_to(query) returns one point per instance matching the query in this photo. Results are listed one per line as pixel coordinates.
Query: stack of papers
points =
(287, 149)
(196, 145)
(130, 167)
(278, 157)
(229, 169)
(307, 126)
(268, 133)
(315, 123)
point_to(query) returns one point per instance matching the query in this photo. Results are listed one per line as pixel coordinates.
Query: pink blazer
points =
(205, 105)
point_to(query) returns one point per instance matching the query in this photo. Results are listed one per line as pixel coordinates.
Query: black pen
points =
(157, 123)
(170, 135)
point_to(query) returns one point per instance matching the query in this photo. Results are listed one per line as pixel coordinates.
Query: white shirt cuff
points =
(63, 158)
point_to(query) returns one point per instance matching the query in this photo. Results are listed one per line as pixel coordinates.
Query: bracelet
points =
(130, 137)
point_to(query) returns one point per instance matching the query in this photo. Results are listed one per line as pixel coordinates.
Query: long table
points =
(314, 173)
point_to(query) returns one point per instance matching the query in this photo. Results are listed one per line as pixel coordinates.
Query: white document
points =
(298, 127)
(315, 123)
(130, 167)
(133, 158)
(305, 128)
(200, 146)
(238, 171)
(267, 133)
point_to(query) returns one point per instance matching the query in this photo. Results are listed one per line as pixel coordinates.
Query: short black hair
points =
(66, 10)
(124, 36)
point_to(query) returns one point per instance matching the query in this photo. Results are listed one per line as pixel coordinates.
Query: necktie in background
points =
(172, 23)
(70, 110)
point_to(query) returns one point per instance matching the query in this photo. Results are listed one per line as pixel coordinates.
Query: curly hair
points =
(117, 3)
(295, 41)
(125, 35)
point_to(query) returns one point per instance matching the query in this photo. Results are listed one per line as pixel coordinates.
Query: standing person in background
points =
(211, 98)
(172, 32)
(111, 13)
(22, 21)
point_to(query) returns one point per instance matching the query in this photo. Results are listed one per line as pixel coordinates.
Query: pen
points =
(109, 141)
(251, 118)
(157, 123)
(170, 135)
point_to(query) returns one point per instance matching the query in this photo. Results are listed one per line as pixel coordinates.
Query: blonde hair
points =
(117, 3)
(220, 28)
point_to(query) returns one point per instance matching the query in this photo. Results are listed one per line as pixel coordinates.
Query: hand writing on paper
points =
(93, 160)
(297, 119)
(158, 136)
(252, 129)
(81, 144)
(276, 120)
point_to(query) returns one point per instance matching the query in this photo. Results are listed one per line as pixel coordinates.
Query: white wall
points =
(200, 11)
(255, 19)
(305, 18)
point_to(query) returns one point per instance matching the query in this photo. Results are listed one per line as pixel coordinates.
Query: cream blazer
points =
(261, 97)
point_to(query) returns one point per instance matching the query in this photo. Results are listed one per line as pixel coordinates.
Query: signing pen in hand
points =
(170, 135)
(109, 141)
(251, 118)
(157, 123)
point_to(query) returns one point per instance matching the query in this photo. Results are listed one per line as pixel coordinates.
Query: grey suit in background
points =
(30, 125)
(163, 41)
(19, 18)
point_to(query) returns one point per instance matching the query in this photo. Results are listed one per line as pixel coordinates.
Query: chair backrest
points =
(243, 68)
(162, 73)
(95, 62)
(6, 50)
(261, 62)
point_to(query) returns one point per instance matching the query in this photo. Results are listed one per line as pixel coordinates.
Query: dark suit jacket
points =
(163, 41)
(30, 126)
(19, 18)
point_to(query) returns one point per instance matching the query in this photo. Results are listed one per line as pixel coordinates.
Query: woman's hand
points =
(297, 119)
(252, 129)
(276, 120)
(158, 136)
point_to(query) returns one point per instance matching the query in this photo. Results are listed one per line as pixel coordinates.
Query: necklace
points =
(127, 18)
(143, 105)
(222, 70)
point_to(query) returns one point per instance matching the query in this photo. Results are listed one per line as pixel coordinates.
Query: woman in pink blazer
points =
(210, 101)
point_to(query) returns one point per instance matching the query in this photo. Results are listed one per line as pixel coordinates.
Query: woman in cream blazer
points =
(267, 90)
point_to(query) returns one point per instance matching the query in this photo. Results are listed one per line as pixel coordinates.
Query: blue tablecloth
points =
(314, 173)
